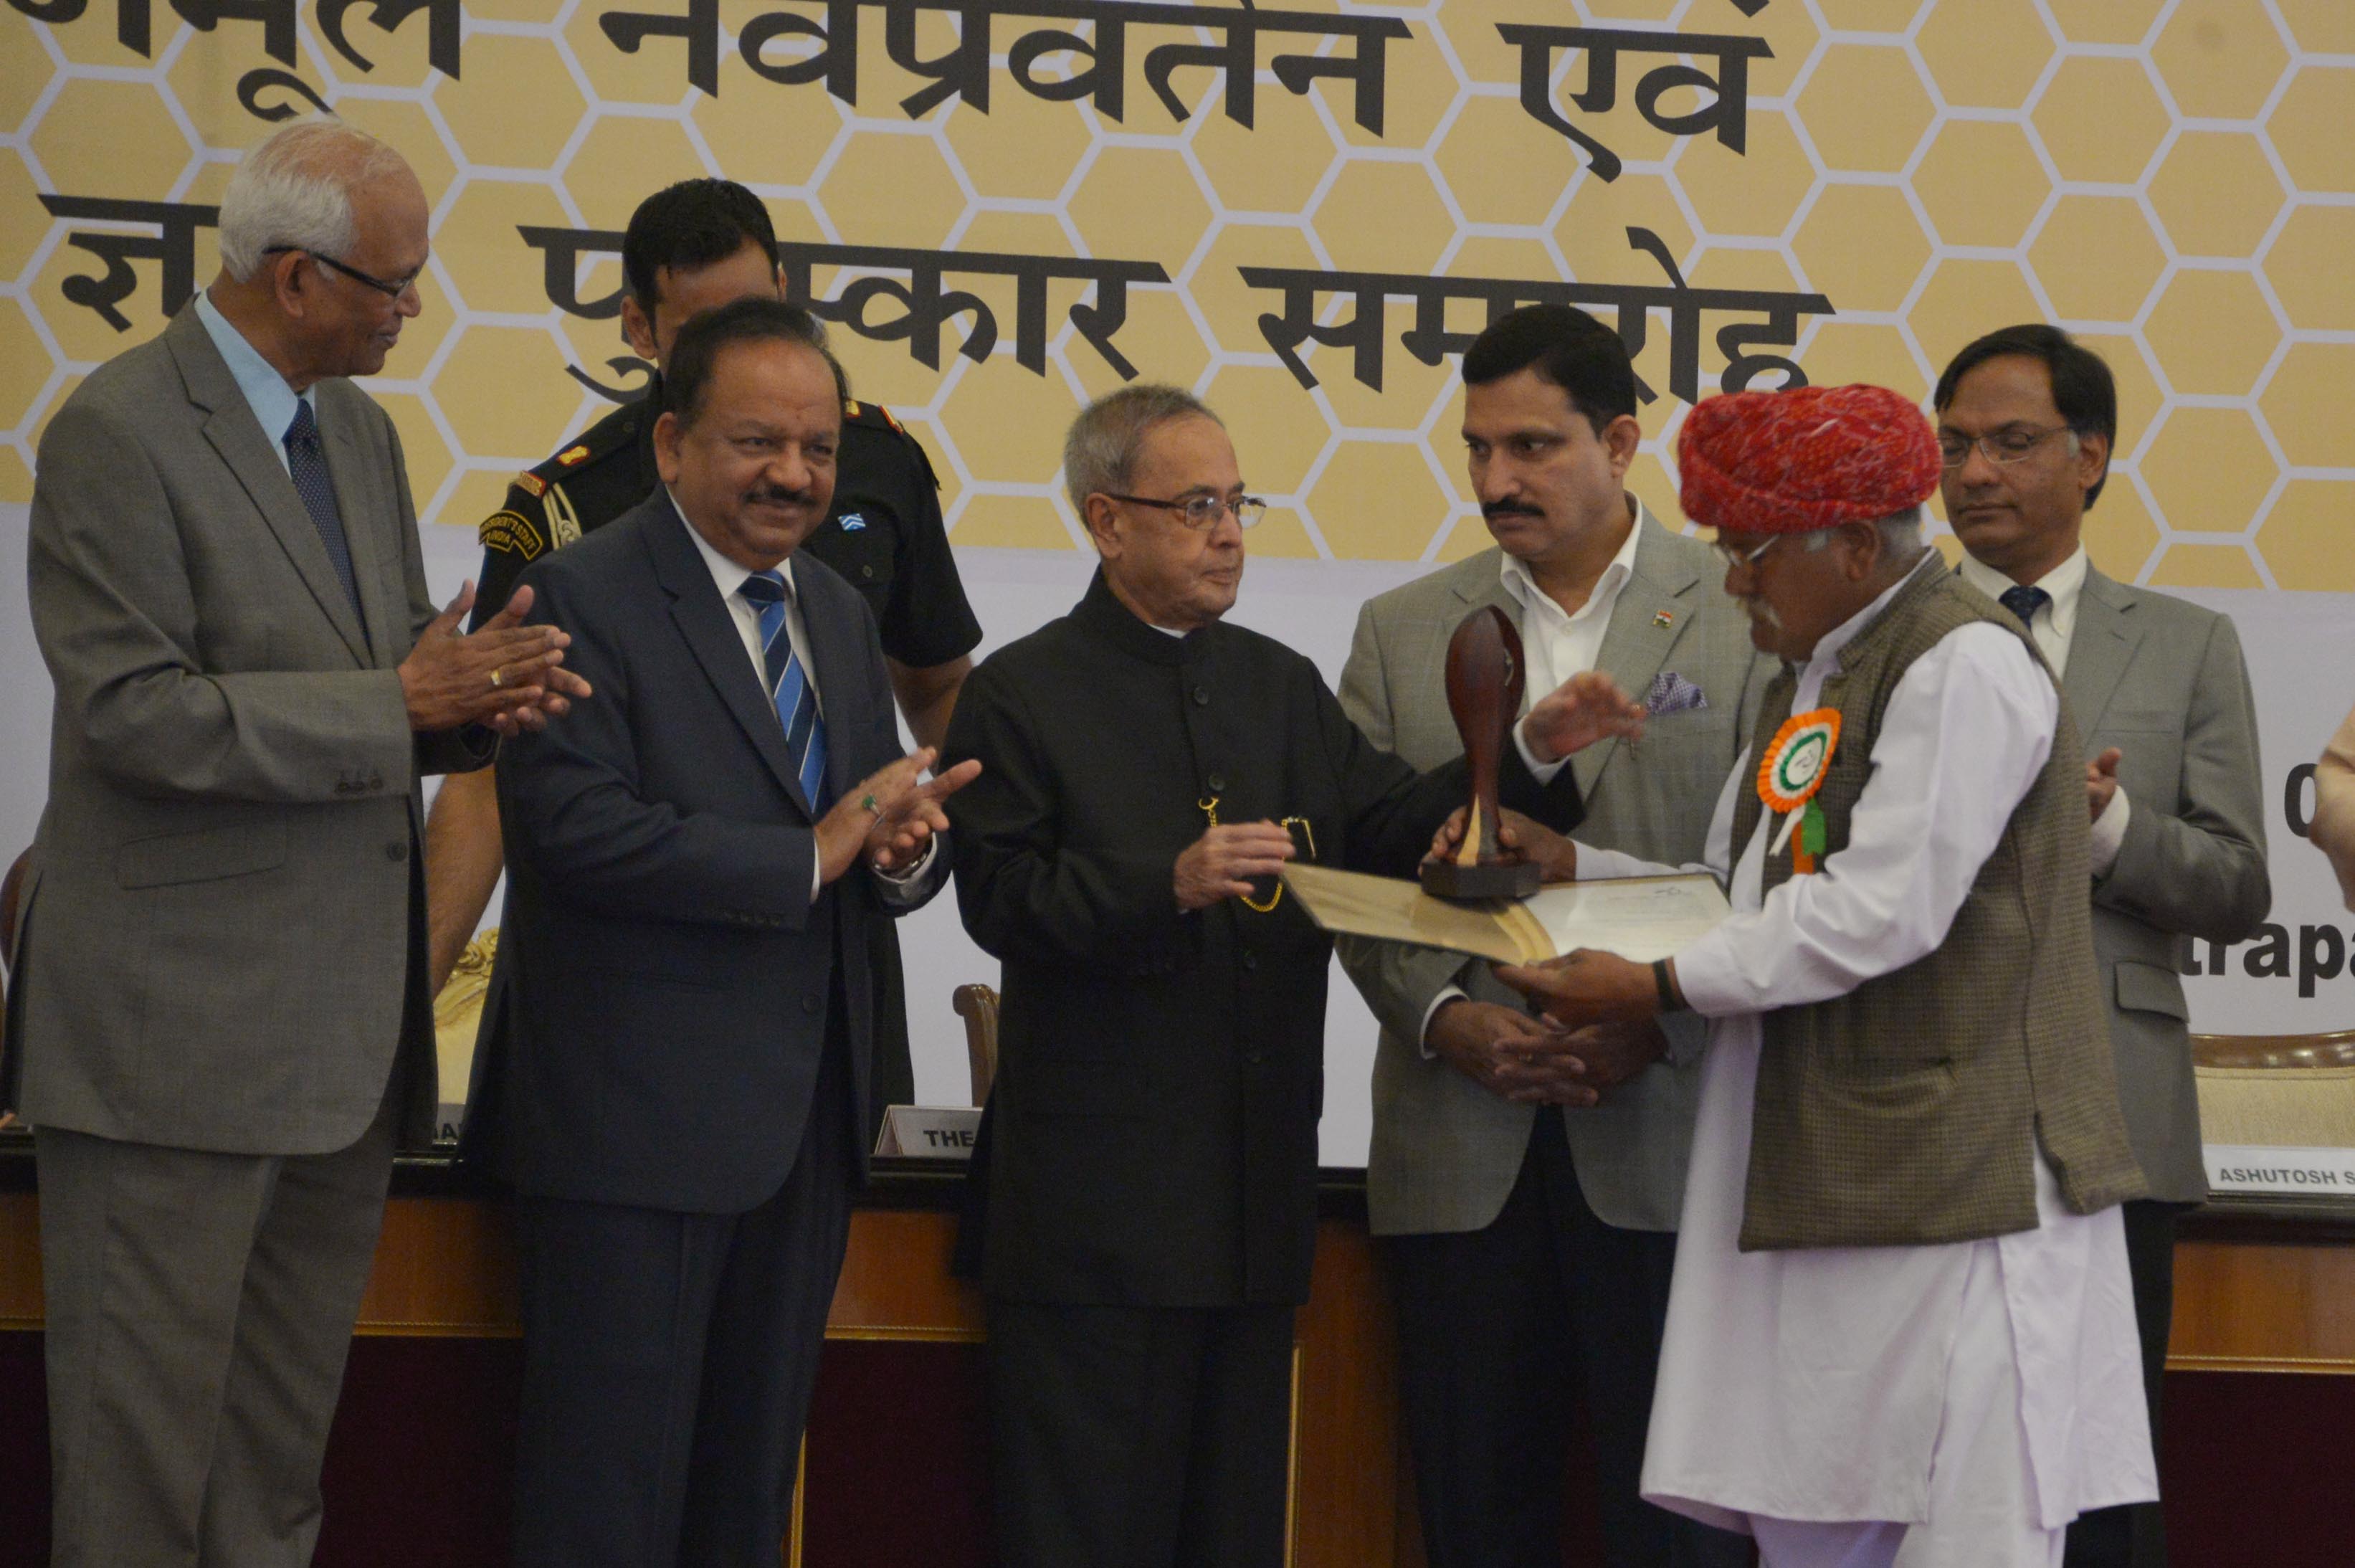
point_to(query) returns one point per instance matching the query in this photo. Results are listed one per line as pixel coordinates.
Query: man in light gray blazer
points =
(1527, 1183)
(220, 1021)
(2027, 419)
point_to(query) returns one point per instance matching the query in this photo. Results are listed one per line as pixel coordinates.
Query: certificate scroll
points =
(1638, 918)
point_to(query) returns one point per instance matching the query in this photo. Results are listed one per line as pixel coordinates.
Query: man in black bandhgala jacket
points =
(1151, 1156)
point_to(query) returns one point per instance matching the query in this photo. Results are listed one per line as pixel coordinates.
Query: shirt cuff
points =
(2110, 831)
(914, 869)
(1447, 994)
(1542, 771)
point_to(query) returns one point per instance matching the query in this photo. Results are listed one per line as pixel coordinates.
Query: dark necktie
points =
(789, 687)
(307, 465)
(2025, 603)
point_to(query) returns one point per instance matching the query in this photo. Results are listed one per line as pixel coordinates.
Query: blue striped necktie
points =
(789, 687)
(308, 466)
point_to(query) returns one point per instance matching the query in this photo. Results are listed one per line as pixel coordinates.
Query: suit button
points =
(374, 783)
(1216, 784)
(810, 1005)
(867, 573)
(397, 849)
(1202, 697)
(1251, 959)
(1256, 1058)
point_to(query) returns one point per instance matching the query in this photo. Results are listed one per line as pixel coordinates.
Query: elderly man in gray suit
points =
(1528, 1182)
(2027, 419)
(221, 1022)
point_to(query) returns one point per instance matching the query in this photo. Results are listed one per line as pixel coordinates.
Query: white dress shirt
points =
(1814, 1383)
(728, 577)
(2053, 626)
(266, 391)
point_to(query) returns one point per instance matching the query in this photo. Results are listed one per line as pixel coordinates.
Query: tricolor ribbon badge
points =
(1788, 777)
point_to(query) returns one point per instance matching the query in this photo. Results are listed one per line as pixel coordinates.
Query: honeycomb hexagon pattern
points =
(2169, 179)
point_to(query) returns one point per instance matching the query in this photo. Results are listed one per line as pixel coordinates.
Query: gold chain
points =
(1208, 807)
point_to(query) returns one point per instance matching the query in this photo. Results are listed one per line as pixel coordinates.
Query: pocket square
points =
(1672, 693)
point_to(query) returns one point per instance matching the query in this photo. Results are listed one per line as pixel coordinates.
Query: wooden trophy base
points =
(1483, 880)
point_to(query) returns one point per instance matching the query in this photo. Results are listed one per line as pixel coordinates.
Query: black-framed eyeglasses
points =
(1202, 511)
(389, 290)
(2003, 447)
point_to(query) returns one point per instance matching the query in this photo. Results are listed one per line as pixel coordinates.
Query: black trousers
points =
(2135, 1535)
(1497, 1329)
(1139, 1436)
(668, 1360)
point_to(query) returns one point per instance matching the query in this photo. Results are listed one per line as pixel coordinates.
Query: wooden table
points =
(2260, 1287)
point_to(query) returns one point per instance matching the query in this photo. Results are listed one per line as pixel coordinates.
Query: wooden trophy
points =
(1484, 693)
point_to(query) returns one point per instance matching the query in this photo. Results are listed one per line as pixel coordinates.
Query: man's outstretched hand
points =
(1587, 987)
(1587, 708)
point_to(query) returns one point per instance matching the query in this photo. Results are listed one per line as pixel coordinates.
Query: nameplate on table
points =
(929, 1132)
(2247, 1167)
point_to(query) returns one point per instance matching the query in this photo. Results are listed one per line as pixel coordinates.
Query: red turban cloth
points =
(1812, 458)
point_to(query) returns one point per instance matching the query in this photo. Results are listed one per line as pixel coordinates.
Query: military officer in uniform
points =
(689, 248)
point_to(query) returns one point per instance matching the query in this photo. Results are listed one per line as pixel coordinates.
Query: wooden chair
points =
(2294, 1091)
(977, 1004)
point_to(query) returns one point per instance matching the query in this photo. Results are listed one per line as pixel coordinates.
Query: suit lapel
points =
(252, 455)
(1653, 611)
(2100, 648)
(711, 636)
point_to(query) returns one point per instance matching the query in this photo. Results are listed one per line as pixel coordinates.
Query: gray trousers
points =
(199, 1308)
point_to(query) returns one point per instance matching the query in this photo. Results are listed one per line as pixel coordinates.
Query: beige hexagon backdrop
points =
(1882, 179)
(1304, 213)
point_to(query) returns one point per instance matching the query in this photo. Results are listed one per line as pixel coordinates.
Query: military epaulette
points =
(616, 432)
(874, 414)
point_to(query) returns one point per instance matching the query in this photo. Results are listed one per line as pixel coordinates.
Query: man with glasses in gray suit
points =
(2026, 420)
(221, 1024)
(1528, 1182)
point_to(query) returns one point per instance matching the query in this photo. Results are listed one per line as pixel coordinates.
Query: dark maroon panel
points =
(899, 1464)
(2256, 1470)
(419, 1462)
(24, 1453)
(422, 1458)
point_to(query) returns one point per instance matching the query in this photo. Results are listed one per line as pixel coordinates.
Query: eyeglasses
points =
(389, 290)
(1734, 556)
(1203, 511)
(2003, 448)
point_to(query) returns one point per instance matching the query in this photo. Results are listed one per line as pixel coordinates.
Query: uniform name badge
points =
(1789, 776)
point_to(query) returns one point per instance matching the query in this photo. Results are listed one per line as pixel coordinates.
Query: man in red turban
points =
(1901, 1329)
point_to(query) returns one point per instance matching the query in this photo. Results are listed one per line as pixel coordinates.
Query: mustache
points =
(776, 495)
(1493, 509)
(1759, 611)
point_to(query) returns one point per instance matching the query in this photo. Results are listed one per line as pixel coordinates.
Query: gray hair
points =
(1900, 535)
(295, 190)
(1101, 452)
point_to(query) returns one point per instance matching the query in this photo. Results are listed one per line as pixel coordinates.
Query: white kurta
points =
(1813, 1384)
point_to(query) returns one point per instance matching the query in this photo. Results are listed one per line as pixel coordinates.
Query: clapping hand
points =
(890, 815)
(506, 676)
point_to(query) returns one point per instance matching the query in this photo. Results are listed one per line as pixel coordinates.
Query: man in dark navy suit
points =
(675, 1062)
